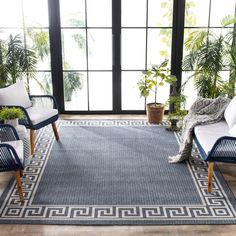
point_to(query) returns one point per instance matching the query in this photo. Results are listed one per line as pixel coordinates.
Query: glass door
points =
(86, 33)
(146, 31)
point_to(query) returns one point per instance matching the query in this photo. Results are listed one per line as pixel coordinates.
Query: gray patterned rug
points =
(115, 173)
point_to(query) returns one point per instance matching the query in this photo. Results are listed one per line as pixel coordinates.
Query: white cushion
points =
(37, 114)
(18, 146)
(15, 95)
(230, 113)
(208, 134)
(232, 131)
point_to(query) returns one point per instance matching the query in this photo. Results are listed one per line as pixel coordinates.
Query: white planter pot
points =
(13, 122)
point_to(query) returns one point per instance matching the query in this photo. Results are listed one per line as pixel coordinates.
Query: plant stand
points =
(173, 126)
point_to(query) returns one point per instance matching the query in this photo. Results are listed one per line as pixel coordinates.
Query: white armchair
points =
(39, 110)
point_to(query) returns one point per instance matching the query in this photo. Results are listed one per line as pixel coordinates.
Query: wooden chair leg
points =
(210, 175)
(19, 186)
(54, 127)
(32, 140)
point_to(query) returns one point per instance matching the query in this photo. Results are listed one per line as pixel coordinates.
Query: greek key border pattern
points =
(215, 206)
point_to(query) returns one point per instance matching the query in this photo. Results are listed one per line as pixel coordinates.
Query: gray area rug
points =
(113, 173)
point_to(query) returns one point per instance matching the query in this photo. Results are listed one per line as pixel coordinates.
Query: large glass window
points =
(146, 40)
(87, 54)
(29, 20)
(99, 56)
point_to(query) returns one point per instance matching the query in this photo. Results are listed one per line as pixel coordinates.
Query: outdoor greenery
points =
(209, 54)
(40, 39)
(16, 61)
(72, 80)
(11, 113)
(166, 35)
(154, 78)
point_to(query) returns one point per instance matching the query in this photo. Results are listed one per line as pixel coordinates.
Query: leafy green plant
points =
(177, 104)
(16, 61)
(11, 113)
(209, 54)
(154, 78)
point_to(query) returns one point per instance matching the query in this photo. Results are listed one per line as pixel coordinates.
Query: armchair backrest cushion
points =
(230, 113)
(15, 95)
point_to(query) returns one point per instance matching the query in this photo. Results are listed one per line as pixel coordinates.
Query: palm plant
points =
(207, 58)
(16, 61)
(209, 54)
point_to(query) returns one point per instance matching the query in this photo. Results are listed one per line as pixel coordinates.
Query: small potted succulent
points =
(11, 115)
(155, 77)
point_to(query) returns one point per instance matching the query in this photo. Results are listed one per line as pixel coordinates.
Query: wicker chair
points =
(223, 149)
(42, 113)
(12, 154)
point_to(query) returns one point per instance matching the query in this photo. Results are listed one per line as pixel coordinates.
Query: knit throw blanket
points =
(203, 111)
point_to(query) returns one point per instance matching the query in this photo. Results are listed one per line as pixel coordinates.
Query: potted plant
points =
(152, 79)
(177, 111)
(11, 115)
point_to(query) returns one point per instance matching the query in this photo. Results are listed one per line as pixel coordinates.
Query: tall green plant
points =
(16, 61)
(209, 54)
(154, 78)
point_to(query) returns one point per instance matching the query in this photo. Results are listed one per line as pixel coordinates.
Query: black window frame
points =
(56, 53)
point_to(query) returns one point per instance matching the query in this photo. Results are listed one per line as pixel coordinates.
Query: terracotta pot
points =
(155, 112)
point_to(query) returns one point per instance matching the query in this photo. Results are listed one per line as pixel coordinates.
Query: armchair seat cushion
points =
(18, 146)
(208, 134)
(38, 114)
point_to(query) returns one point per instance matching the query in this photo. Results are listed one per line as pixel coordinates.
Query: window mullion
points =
(116, 54)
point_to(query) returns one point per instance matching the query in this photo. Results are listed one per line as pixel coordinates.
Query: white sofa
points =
(217, 142)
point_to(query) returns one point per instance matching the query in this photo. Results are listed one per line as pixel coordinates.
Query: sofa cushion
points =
(18, 146)
(15, 95)
(208, 134)
(230, 113)
(37, 114)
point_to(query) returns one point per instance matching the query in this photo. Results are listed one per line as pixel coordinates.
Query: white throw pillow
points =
(230, 113)
(15, 95)
(232, 131)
